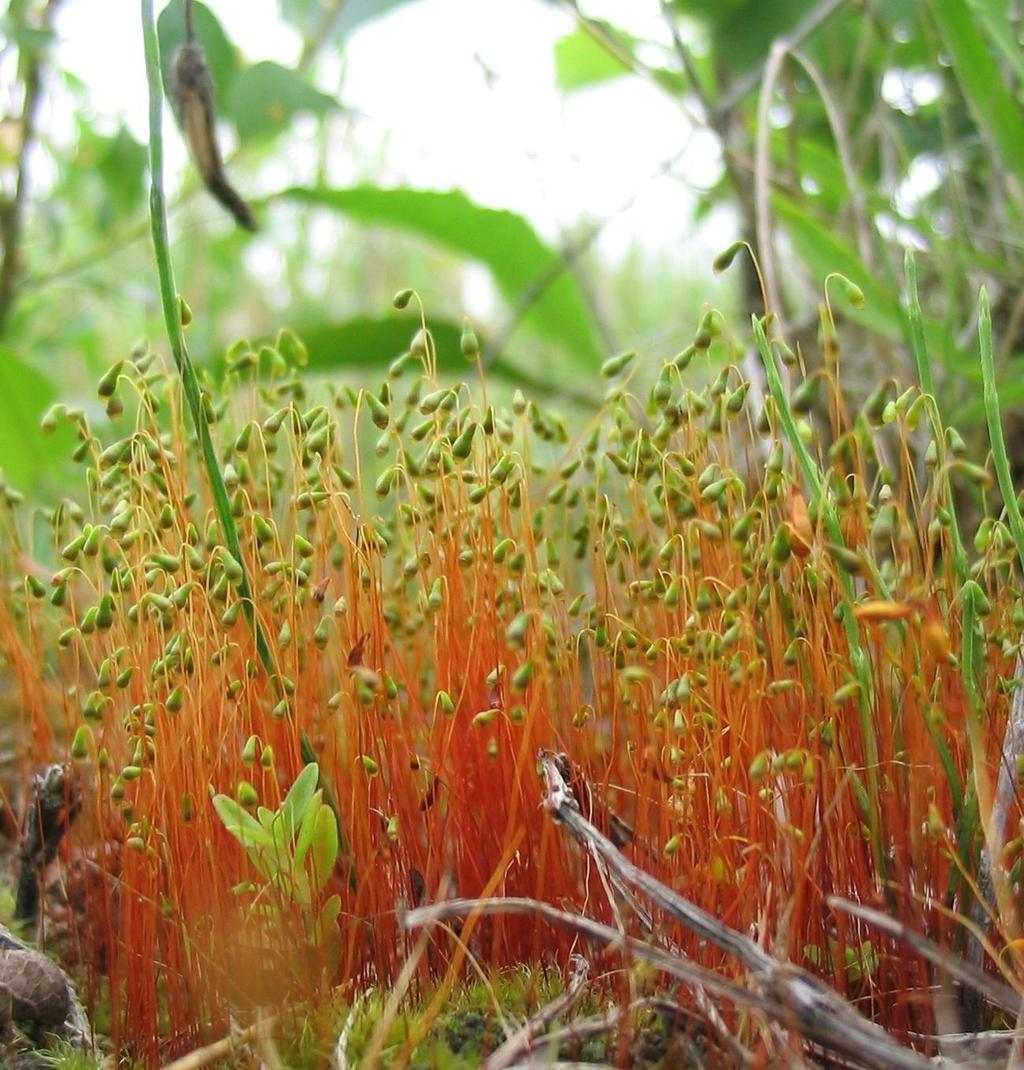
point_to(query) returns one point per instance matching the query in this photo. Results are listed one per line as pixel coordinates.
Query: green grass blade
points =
(991, 16)
(972, 656)
(996, 114)
(859, 660)
(922, 360)
(915, 320)
(172, 321)
(995, 425)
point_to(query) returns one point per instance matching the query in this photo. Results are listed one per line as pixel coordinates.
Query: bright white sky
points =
(416, 78)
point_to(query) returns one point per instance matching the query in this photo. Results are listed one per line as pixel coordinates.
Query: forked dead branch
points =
(777, 993)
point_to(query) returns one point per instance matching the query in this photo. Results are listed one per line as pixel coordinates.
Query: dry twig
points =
(781, 993)
(219, 1049)
(997, 993)
(521, 1043)
(595, 932)
(12, 212)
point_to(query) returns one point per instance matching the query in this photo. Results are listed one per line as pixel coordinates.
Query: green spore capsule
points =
(462, 447)
(616, 365)
(468, 342)
(82, 743)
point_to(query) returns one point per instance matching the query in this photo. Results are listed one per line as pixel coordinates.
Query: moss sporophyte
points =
(306, 642)
(758, 663)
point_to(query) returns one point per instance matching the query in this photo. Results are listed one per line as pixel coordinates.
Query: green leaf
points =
(328, 917)
(582, 61)
(267, 96)
(814, 955)
(31, 41)
(25, 394)
(325, 935)
(299, 796)
(991, 16)
(816, 161)
(998, 116)
(277, 859)
(366, 342)
(221, 54)
(296, 887)
(325, 847)
(122, 166)
(678, 85)
(518, 259)
(372, 344)
(241, 824)
(861, 962)
(307, 828)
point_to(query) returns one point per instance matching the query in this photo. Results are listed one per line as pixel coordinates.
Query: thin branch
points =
(521, 1043)
(341, 1045)
(12, 217)
(844, 151)
(1010, 753)
(689, 66)
(219, 1049)
(571, 251)
(192, 94)
(613, 881)
(796, 997)
(569, 254)
(562, 804)
(531, 1065)
(718, 123)
(172, 319)
(582, 1028)
(787, 43)
(597, 31)
(311, 45)
(997, 993)
(559, 1065)
(995, 818)
(987, 1050)
(54, 802)
(604, 935)
(991, 876)
(399, 990)
(670, 1012)
(790, 995)
(762, 181)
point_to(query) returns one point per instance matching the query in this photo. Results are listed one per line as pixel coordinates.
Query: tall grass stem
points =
(175, 332)
(858, 658)
(995, 425)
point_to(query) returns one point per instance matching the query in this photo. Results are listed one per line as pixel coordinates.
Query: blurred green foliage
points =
(890, 123)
